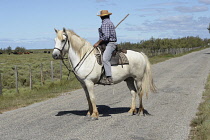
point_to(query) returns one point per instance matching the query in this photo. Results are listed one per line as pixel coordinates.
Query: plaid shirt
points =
(107, 31)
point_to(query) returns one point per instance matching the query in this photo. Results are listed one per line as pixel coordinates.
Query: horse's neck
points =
(78, 49)
(77, 43)
(74, 58)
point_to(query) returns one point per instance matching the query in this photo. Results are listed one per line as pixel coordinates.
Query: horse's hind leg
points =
(140, 93)
(131, 86)
(141, 108)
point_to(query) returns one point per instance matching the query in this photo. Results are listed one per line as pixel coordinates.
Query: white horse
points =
(81, 55)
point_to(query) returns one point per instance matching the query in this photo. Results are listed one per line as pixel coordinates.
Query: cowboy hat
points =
(104, 13)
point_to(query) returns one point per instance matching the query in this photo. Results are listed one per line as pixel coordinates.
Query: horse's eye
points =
(63, 40)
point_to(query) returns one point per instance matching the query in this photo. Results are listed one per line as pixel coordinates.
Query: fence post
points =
(61, 70)
(52, 70)
(0, 85)
(41, 73)
(16, 79)
(30, 77)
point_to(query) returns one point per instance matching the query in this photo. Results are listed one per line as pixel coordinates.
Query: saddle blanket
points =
(118, 59)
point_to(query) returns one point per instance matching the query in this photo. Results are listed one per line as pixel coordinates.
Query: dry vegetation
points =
(201, 124)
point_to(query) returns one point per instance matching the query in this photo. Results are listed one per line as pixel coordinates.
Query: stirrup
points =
(106, 81)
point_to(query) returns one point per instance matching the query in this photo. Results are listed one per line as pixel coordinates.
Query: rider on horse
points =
(107, 37)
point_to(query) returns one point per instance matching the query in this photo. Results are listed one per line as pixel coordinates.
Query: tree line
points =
(165, 43)
(152, 43)
(9, 50)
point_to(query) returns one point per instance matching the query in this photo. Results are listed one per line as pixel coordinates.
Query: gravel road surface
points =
(180, 82)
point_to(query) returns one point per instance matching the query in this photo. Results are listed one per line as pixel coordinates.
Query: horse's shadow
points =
(103, 110)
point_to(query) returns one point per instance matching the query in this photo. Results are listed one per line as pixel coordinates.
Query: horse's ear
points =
(56, 30)
(64, 30)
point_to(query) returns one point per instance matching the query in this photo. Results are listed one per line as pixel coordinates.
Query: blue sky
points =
(31, 23)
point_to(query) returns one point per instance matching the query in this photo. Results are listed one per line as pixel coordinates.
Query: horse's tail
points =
(147, 82)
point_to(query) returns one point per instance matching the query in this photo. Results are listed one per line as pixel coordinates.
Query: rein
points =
(83, 58)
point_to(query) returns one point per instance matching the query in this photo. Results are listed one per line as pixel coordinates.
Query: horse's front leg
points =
(90, 110)
(93, 111)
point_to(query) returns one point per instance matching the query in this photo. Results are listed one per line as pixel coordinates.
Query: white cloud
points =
(176, 26)
(168, 4)
(180, 18)
(101, 0)
(185, 9)
(205, 1)
(151, 9)
(27, 43)
(145, 12)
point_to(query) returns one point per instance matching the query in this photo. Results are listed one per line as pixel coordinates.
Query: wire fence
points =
(32, 75)
(162, 51)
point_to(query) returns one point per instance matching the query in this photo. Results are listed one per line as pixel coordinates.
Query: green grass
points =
(8, 62)
(12, 100)
(26, 96)
(160, 58)
(201, 124)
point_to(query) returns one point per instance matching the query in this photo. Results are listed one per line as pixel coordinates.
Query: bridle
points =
(61, 50)
(62, 54)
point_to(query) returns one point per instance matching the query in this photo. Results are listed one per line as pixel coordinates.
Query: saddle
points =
(118, 56)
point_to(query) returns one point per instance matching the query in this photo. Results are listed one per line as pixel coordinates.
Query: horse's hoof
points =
(144, 112)
(94, 119)
(130, 114)
(87, 117)
(141, 114)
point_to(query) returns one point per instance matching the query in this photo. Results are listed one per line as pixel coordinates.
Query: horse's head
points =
(61, 44)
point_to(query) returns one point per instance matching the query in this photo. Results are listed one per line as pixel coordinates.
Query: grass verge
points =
(201, 124)
(26, 96)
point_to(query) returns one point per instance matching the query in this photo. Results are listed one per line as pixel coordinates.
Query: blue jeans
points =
(111, 46)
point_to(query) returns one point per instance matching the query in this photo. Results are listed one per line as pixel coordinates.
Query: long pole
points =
(122, 20)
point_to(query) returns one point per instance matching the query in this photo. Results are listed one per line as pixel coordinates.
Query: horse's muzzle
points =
(56, 56)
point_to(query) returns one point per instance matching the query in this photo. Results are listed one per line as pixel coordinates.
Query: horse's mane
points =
(80, 45)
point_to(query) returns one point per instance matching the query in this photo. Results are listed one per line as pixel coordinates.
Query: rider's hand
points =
(96, 45)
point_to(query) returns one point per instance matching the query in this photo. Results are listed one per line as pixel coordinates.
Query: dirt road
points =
(180, 83)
